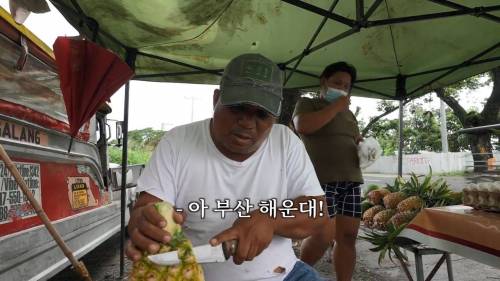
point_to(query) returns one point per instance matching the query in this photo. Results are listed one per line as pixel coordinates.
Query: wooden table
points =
(457, 229)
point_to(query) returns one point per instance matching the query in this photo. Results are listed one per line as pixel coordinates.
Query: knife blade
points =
(204, 254)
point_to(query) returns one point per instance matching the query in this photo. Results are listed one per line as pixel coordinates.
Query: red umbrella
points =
(89, 75)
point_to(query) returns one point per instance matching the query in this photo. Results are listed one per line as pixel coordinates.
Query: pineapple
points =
(375, 196)
(381, 218)
(370, 213)
(187, 270)
(412, 203)
(402, 217)
(392, 200)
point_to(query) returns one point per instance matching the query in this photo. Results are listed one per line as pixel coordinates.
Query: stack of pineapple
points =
(387, 211)
(187, 270)
(390, 208)
(398, 204)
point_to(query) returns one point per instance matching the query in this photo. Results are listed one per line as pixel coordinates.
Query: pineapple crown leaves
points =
(434, 193)
(385, 242)
(399, 184)
(371, 187)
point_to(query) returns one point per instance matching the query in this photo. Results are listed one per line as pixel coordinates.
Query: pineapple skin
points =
(412, 203)
(187, 270)
(381, 219)
(402, 217)
(392, 200)
(370, 213)
(375, 196)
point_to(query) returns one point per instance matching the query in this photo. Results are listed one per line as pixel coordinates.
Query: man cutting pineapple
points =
(239, 155)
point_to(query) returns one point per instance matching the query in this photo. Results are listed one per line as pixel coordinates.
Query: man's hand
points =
(253, 234)
(146, 229)
(342, 104)
(358, 139)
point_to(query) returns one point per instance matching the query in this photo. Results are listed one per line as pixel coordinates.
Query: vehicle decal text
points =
(21, 133)
(13, 203)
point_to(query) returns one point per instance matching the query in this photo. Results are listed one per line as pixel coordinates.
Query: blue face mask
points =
(332, 94)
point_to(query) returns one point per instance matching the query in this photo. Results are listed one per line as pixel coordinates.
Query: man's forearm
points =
(302, 224)
(308, 123)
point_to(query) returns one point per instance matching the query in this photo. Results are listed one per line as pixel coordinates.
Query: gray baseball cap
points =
(252, 79)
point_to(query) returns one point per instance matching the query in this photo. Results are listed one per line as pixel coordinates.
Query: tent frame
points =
(361, 21)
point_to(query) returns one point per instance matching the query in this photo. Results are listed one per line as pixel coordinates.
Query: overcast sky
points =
(164, 105)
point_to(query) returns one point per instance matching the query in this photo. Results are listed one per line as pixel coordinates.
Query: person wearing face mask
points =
(330, 133)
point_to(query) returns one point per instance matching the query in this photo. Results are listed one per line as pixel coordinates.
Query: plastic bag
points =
(369, 151)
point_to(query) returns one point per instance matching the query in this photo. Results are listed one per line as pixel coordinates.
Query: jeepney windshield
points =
(35, 87)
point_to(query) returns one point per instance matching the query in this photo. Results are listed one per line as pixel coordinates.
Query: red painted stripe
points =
(454, 239)
(25, 113)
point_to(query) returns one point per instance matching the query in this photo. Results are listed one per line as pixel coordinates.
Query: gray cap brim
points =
(246, 94)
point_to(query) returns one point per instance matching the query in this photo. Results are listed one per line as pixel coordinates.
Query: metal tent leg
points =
(449, 267)
(419, 266)
(401, 136)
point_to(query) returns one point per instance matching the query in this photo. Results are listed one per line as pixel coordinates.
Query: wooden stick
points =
(79, 266)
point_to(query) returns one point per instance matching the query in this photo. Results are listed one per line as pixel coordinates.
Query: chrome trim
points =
(43, 153)
(26, 123)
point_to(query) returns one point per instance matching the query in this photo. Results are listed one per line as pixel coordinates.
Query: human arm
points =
(309, 122)
(302, 186)
(254, 234)
(358, 139)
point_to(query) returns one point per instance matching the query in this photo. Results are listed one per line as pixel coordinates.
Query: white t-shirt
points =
(187, 167)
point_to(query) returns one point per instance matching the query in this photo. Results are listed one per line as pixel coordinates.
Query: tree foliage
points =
(141, 144)
(480, 142)
(421, 131)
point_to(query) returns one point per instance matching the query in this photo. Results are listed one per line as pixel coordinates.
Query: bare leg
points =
(314, 247)
(344, 253)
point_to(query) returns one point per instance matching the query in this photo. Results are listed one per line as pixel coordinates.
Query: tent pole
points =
(130, 59)
(400, 94)
(400, 147)
(360, 10)
(123, 188)
(311, 41)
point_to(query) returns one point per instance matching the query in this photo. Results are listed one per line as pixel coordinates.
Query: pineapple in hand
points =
(187, 270)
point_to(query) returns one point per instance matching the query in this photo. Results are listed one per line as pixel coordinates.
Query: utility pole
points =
(444, 130)
(192, 98)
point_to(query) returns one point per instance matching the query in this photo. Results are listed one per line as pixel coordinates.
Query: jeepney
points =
(76, 189)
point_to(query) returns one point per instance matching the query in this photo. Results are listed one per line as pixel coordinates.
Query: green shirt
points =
(332, 148)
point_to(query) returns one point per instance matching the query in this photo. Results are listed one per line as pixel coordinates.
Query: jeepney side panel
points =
(66, 184)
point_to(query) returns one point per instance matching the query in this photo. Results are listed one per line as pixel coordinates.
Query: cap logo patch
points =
(257, 70)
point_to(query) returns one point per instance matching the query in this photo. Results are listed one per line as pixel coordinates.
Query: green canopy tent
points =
(401, 48)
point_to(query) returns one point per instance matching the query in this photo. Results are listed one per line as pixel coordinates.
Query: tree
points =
(456, 142)
(421, 131)
(387, 107)
(386, 132)
(479, 142)
(141, 144)
(146, 138)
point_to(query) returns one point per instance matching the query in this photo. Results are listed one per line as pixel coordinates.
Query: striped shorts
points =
(343, 198)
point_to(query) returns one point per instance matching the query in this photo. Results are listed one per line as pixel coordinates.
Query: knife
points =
(204, 254)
